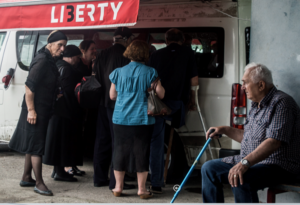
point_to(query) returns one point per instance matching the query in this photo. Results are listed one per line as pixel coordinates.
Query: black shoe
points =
(78, 170)
(44, 193)
(156, 190)
(101, 184)
(64, 178)
(27, 184)
(128, 186)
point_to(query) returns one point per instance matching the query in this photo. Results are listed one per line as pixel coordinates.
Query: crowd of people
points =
(127, 139)
(130, 140)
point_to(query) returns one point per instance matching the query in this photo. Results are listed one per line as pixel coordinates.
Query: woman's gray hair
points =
(259, 72)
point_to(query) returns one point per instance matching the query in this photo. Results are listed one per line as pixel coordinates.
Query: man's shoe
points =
(44, 193)
(64, 178)
(156, 190)
(128, 186)
(101, 184)
(27, 184)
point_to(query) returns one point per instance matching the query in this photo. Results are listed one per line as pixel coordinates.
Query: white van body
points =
(214, 93)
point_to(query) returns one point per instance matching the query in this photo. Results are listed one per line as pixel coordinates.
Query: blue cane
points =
(193, 166)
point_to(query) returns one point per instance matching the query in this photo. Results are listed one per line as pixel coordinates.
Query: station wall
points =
(275, 42)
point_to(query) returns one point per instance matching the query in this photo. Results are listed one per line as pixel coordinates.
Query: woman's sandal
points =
(146, 196)
(118, 194)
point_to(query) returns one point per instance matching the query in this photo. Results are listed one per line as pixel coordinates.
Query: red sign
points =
(85, 14)
(13, 1)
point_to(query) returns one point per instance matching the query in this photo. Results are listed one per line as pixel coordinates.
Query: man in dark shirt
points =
(107, 61)
(177, 70)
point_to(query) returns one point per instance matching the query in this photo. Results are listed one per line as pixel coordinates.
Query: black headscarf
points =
(57, 36)
(71, 50)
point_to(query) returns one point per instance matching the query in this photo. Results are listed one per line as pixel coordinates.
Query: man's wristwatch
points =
(245, 162)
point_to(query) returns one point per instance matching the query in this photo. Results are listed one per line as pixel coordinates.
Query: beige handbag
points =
(155, 106)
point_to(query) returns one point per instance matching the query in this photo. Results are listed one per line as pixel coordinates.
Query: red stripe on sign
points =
(86, 14)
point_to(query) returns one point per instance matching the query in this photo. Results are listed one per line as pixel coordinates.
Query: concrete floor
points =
(83, 191)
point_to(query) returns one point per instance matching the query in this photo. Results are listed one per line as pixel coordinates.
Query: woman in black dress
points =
(63, 141)
(40, 94)
(89, 118)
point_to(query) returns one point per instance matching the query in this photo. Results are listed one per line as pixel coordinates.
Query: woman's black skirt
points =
(28, 138)
(132, 147)
(62, 142)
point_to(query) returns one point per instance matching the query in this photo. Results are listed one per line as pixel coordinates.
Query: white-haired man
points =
(270, 143)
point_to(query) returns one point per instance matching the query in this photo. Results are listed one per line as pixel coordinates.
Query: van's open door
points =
(54, 14)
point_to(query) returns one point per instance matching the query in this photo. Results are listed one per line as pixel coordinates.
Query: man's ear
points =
(261, 85)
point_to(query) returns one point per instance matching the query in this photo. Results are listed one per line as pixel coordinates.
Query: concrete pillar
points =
(275, 42)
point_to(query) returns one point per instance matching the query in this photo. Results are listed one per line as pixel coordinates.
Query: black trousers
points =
(104, 147)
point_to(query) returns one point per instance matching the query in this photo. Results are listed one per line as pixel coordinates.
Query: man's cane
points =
(193, 166)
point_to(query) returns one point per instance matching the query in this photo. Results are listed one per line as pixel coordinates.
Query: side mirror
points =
(7, 78)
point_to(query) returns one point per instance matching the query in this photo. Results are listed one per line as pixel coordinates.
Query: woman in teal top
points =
(132, 126)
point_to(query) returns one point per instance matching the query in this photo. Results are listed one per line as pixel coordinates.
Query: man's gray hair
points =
(259, 72)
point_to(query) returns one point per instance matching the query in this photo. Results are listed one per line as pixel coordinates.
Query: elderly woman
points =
(132, 126)
(89, 52)
(62, 142)
(40, 94)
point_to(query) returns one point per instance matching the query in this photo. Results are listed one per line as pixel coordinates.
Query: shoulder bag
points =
(155, 106)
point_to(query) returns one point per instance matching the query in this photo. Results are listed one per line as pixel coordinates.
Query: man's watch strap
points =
(245, 162)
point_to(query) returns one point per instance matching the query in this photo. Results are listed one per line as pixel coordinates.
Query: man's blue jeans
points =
(157, 161)
(215, 174)
(157, 153)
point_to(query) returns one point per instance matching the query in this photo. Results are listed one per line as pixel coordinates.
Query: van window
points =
(2, 37)
(206, 42)
(26, 41)
(208, 47)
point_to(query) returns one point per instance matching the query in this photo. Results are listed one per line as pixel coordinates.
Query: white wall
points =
(275, 42)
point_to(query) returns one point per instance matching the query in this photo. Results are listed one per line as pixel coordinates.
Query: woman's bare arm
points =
(113, 92)
(29, 99)
(160, 90)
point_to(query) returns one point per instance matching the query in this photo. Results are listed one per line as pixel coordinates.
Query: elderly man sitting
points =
(270, 143)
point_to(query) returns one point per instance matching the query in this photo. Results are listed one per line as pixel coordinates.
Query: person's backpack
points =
(88, 92)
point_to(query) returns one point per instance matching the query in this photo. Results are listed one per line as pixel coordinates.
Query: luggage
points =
(88, 92)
